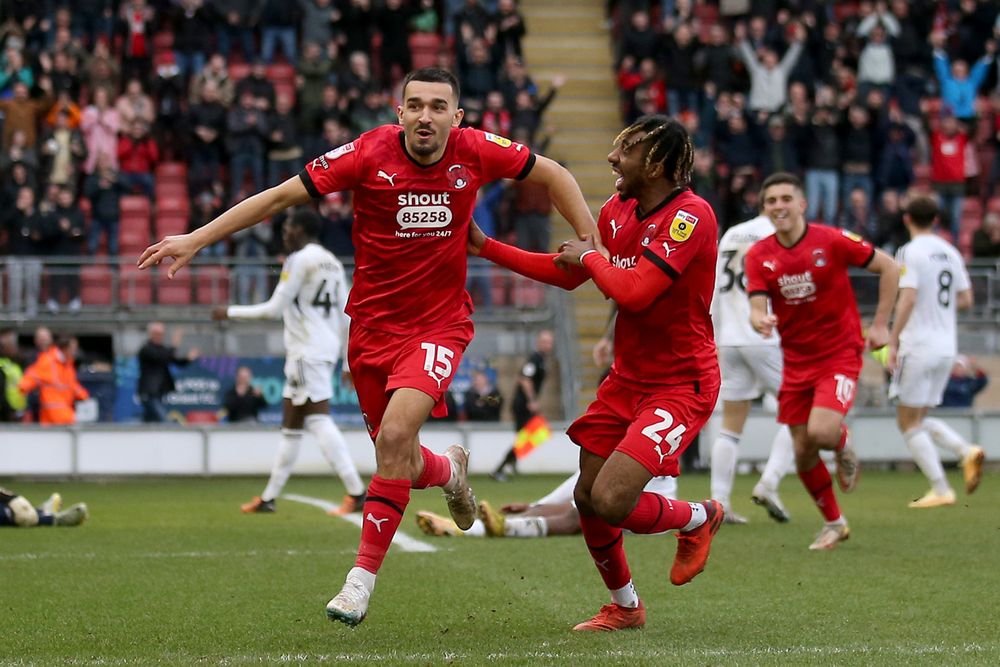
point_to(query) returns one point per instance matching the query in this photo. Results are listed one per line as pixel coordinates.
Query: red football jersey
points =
(810, 294)
(411, 221)
(671, 341)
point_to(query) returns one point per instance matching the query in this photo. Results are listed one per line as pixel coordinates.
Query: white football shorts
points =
(748, 371)
(920, 381)
(308, 380)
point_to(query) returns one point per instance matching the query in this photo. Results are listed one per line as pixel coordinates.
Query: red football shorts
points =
(653, 427)
(382, 362)
(834, 388)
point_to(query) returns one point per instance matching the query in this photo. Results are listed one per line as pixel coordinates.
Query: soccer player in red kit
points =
(414, 190)
(802, 270)
(660, 269)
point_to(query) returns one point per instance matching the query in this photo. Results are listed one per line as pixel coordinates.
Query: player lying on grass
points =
(660, 239)
(554, 514)
(17, 511)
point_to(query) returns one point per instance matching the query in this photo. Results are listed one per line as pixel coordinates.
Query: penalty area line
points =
(400, 539)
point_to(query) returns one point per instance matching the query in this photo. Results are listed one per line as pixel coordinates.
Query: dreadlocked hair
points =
(671, 146)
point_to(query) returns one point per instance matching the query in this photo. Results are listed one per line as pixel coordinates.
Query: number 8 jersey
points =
(310, 298)
(731, 305)
(934, 268)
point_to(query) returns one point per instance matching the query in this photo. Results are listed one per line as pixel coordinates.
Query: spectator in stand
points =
(356, 26)
(679, 48)
(892, 232)
(895, 171)
(155, 377)
(358, 77)
(858, 154)
(13, 69)
(138, 156)
(19, 152)
(236, 22)
(312, 74)
(278, 21)
(338, 221)
(644, 81)
(737, 146)
(207, 207)
(95, 20)
(514, 78)
(510, 28)
(63, 152)
(64, 102)
(246, 134)
(23, 113)
(12, 401)
(477, 70)
(479, 283)
(251, 278)
(858, 216)
(103, 190)
(496, 118)
(768, 74)
(192, 28)
(876, 64)
(967, 379)
(134, 105)
(780, 152)
(284, 154)
(371, 111)
(473, 21)
(986, 239)
(318, 17)
(20, 177)
(425, 19)
(29, 231)
(68, 243)
(528, 110)
(482, 402)
(393, 22)
(243, 402)
(101, 69)
(948, 144)
(216, 72)
(959, 86)
(100, 125)
(168, 91)
(639, 40)
(259, 86)
(822, 164)
(207, 121)
(137, 18)
(53, 376)
(61, 68)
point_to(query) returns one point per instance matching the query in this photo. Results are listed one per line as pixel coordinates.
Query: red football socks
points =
(606, 548)
(656, 514)
(383, 510)
(437, 470)
(819, 485)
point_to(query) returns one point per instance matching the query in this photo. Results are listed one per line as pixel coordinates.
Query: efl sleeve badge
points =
(682, 226)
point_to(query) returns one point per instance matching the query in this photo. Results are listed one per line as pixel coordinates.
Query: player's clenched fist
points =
(763, 323)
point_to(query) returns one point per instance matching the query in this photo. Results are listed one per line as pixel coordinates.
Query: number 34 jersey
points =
(312, 293)
(934, 268)
(731, 305)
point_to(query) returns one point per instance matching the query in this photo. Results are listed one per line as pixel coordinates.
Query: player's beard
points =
(429, 147)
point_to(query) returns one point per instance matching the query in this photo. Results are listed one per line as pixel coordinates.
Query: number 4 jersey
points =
(932, 267)
(310, 298)
(731, 306)
(412, 221)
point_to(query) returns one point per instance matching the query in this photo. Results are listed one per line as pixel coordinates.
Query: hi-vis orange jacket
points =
(54, 375)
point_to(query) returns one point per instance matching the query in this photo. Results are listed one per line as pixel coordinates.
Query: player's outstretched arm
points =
(632, 289)
(538, 266)
(904, 308)
(565, 194)
(183, 247)
(888, 285)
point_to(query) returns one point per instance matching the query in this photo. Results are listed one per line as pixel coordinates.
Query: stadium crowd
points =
(192, 105)
(868, 102)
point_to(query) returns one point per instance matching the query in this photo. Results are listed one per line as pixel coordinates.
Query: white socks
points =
(284, 460)
(334, 447)
(626, 596)
(698, 517)
(525, 526)
(780, 461)
(945, 436)
(366, 578)
(922, 449)
(724, 465)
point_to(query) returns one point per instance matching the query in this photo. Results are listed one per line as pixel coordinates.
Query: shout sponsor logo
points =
(424, 210)
(623, 262)
(797, 286)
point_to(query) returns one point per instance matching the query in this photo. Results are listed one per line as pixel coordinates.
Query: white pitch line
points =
(400, 539)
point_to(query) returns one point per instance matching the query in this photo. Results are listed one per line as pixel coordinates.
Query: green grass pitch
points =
(169, 572)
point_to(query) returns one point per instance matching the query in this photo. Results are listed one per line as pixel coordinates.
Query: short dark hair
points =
(781, 178)
(434, 75)
(671, 145)
(922, 212)
(308, 221)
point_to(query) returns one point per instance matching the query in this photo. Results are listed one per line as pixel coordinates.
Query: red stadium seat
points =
(173, 205)
(171, 172)
(135, 287)
(133, 233)
(175, 291)
(281, 72)
(424, 48)
(212, 285)
(163, 41)
(170, 189)
(168, 224)
(993, 205)
(285, 89)
(239, 71)
(134, 205)
(95, 285)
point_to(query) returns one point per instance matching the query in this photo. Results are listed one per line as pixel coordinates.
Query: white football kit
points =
(928, 342)
(750, 363)
(310, 299)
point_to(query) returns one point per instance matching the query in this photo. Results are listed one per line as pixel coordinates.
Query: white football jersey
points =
(934, 268)
(310, 298)
(730, 305)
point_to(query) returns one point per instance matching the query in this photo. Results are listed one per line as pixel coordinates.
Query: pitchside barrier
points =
(109, 450)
